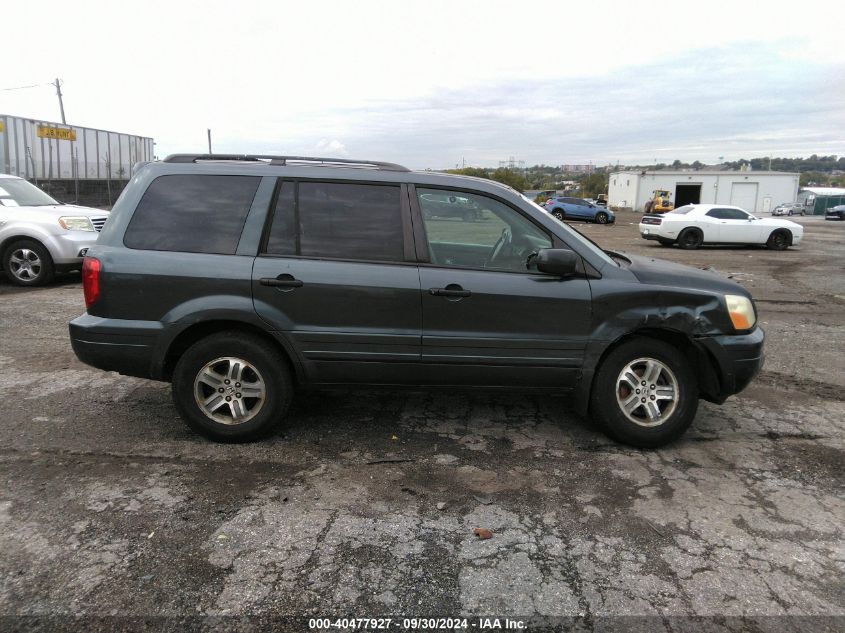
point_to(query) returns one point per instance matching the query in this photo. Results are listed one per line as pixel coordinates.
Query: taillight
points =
(652, 220)
(91, 268)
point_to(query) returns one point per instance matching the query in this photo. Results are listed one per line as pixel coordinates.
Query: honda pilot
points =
(241, 279)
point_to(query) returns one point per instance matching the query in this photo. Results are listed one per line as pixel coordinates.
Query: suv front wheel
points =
(645, 393)
(232, 387)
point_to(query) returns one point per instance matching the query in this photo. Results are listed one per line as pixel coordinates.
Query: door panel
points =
(497, 323)
(739, 231)
(537, 323)
(344, 314)
(332, 281)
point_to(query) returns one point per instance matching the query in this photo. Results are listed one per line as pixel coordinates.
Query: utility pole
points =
(58, 85)
(209, 140)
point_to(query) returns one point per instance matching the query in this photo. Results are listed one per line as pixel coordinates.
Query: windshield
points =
(16, 192)
(585, 241)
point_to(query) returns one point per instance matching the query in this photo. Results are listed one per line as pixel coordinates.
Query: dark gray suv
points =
(241, 278)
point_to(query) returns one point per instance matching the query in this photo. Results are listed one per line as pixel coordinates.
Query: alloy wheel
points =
(25, 264)
(229, 390)
(647, 392)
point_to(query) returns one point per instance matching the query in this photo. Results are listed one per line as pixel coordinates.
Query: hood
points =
(660, 272)
(787, 224)
(59, 210)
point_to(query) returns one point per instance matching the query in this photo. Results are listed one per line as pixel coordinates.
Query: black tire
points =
(40, 274)
(690, 239)
(559, 214)
(601, 217)
(608, 390)
(267, 363)
(790, 213)
(779, 240)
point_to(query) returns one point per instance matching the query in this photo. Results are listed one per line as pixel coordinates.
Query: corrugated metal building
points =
(71, 161)
(754, 191)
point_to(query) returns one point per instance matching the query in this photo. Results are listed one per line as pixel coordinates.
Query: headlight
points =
(741, 311)
(76, 223)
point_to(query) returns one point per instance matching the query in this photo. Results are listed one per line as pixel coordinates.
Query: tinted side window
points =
(728, 214)
(350, 221)
(192, 214)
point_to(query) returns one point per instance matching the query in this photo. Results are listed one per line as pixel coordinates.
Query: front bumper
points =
(738, 358)
(67, 249)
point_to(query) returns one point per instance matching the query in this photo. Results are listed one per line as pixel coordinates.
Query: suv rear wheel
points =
(690, 239)
(232, 387)
(645, 393)
(27, 263)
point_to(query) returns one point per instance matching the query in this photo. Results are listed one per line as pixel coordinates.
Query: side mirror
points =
(556, 261)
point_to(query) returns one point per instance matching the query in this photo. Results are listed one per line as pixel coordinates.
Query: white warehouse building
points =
(754, 191)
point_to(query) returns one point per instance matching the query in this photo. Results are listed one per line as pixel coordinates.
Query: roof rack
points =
(283, 160)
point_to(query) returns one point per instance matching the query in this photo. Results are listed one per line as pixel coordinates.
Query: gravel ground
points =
(111, 510)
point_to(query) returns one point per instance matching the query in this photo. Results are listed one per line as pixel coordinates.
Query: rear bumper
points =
(738, 359)
(127, 347)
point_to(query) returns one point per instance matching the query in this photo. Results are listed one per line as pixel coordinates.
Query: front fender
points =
(621, 311)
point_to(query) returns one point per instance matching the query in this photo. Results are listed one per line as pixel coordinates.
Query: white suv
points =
(39, 235)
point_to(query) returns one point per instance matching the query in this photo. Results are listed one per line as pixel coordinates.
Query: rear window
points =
(192, 214)
(682, 210)
(338, 221)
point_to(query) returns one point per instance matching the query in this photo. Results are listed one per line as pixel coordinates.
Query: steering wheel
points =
(504, 240)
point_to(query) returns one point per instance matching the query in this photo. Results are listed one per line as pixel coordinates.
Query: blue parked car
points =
(579, 209)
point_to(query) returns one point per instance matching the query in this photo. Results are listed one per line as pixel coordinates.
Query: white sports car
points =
(695, 224)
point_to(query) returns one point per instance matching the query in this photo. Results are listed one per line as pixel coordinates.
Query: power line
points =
(25, 87)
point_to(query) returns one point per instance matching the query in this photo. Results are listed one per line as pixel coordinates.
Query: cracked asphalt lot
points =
(110, 507)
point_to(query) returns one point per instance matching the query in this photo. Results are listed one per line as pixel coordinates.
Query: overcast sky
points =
(432, 83)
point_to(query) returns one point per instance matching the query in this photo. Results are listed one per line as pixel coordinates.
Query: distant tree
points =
(593, 184)
(510, 177)
(811, 178)
(477, 172)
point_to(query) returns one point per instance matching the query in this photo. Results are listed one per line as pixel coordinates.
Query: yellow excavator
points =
(661, 202)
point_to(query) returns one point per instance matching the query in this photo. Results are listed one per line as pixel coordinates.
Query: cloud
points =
(330, 148)
(731, 101)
